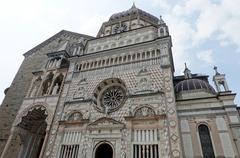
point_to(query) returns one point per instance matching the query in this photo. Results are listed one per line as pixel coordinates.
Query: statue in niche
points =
(55, 89)
(144, 85)
(79, 93)
(144, 82)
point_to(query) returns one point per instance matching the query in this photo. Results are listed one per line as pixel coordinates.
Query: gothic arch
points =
(57, 84)
(31, 124)
(47, 83)
(25, 111)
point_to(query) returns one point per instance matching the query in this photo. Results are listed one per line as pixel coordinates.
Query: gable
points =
(105, 122)
(57, 41)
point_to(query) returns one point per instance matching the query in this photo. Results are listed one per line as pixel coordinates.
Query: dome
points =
(194, 84)
(134, 11)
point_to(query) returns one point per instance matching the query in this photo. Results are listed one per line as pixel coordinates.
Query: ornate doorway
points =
(32, 130)
(104, 151)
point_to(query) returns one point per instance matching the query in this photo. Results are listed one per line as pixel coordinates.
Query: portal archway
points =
(32, 130)
(104, 150)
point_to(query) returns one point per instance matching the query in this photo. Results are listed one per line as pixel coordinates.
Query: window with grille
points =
(69, 151)
(145, 143)
(206, 143)
(145, 151)
(70, 144)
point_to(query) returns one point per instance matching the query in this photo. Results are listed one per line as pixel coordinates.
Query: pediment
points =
(104, 123)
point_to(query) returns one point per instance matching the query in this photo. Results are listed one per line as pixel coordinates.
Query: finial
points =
(187, 72)
(161, 20)
(133, 6)
(216, 72)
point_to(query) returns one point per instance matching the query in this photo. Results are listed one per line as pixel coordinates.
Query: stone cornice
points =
(131, 46)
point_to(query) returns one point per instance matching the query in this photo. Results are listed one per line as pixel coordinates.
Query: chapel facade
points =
(115, 96)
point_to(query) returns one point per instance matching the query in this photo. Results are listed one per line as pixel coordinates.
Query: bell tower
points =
(220, 81)
(162, 28)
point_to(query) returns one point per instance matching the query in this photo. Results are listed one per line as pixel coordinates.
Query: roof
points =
(134, 11)
(53, 38)
(194, 84)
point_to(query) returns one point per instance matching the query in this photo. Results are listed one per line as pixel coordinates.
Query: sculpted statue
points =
(55, 89)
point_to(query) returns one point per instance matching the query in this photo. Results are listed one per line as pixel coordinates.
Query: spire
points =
(216, 72)
(133, 6)
(187, 72)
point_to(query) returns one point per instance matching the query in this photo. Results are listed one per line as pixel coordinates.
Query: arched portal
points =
(32, 130)
(104, 151)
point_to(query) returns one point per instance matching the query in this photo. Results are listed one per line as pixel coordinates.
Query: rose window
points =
(113, 97)
(109, 95)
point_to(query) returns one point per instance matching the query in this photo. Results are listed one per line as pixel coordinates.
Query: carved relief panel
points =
(80, 92)
(144, 82)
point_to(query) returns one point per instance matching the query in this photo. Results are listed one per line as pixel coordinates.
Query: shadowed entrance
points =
(32, 132)
(104, 151)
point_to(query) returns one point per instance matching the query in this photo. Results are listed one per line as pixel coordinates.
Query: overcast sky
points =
(204, 32)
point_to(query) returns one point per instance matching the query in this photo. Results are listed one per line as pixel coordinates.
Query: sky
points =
(204, 32)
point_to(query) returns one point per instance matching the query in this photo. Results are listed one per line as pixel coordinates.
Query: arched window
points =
(80, 67)
(47, 83)
(133, 57)
(206, 143)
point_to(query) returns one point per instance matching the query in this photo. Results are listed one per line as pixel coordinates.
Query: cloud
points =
(206, 56)
(194, 23)
(182, 36)
(211, 19)
(230, 32)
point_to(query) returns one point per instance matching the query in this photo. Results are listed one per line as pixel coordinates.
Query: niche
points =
(46, 84)
(57, 84)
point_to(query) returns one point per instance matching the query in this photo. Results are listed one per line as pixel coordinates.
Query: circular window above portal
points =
(109, 95)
